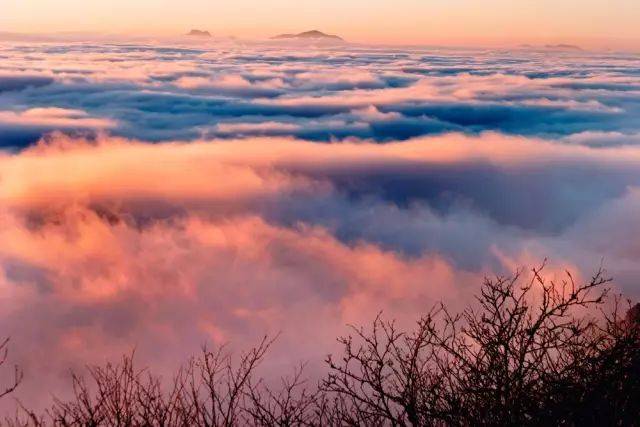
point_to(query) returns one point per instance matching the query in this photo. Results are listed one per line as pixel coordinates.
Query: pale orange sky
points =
(597, 22)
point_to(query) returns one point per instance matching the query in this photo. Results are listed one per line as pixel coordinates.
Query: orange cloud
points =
(55, 118)
(92, 269)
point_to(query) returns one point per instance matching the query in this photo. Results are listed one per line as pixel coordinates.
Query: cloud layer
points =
(159, 93)
(162, 197)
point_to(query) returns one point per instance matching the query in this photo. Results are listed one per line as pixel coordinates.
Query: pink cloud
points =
(91, 274)
(232, 171)
(58, 118)
(85, 288)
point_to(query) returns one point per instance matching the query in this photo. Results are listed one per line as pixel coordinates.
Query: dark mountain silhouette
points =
(199, 33)
(309, 35)
(563, 47)
(560, 47)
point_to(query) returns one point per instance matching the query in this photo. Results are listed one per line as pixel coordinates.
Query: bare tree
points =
(207, 391)
(292, 404)
(525, 354)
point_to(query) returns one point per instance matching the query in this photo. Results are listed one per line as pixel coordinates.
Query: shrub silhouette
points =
(536, 353)
(13, 383)
(527, 352)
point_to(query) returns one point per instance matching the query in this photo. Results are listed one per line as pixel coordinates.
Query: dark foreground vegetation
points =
(527, 352)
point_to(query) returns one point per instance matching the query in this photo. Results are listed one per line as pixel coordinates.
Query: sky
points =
(597, 23)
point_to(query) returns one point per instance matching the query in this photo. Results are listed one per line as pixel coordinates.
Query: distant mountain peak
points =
(563, 46)
(309, 35)
(199, 33)
(556, 47)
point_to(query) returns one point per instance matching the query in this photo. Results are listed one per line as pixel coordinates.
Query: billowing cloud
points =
(112, 243)
(19, 128)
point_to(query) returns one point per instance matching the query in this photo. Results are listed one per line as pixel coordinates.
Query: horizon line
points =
(491, 42)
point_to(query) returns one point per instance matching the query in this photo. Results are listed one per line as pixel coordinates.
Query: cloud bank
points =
(161, 93)
(163, 197)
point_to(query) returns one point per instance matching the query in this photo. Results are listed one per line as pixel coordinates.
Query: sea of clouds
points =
(162, 197)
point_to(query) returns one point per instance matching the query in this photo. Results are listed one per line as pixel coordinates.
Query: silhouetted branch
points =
(17, 372)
